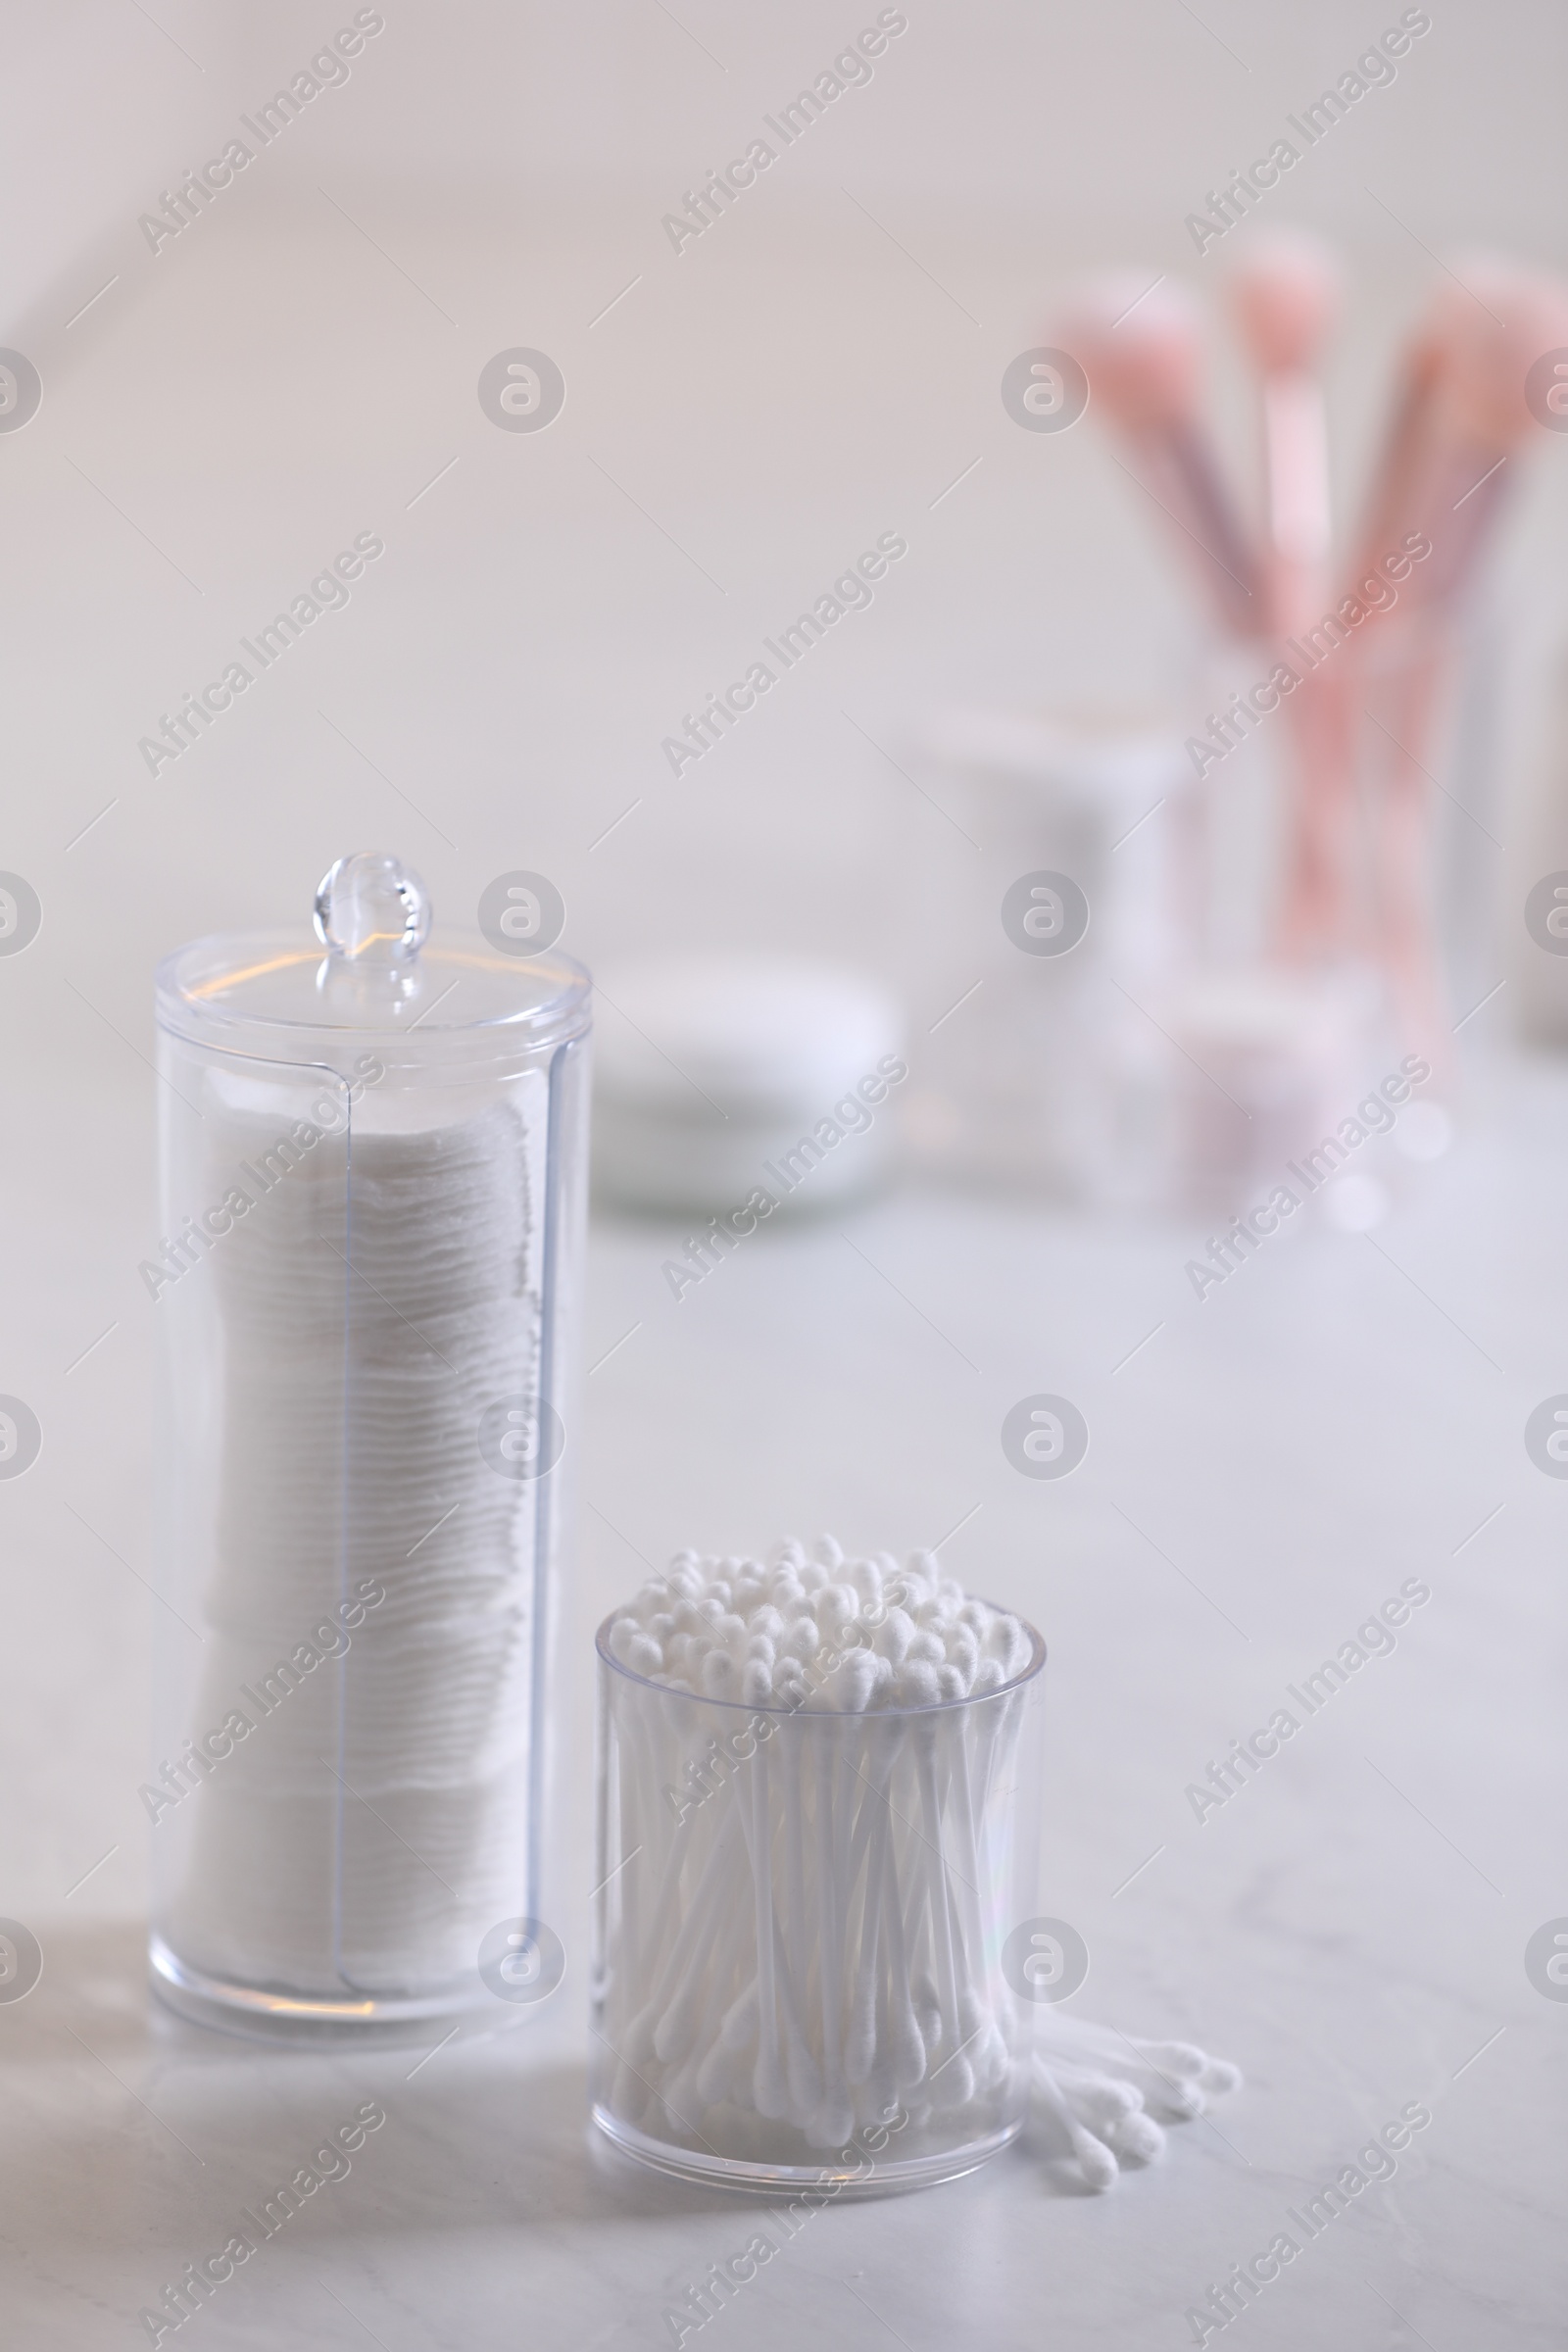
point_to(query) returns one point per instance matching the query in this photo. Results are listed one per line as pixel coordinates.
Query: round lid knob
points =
(373, 908)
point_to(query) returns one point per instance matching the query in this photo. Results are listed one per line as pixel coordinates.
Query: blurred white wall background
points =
(300, 363)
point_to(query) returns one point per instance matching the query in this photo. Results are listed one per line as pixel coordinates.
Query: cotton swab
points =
(1104, 2079)
(1137, 2135)
(1100, 2101)
(1178, 2076)
(1096, 2161)
(769, 2088)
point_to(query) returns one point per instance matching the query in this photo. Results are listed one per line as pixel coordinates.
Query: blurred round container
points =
(1040, 1065)
(716, 1075)
(1275, 1057)
(1282, 1072)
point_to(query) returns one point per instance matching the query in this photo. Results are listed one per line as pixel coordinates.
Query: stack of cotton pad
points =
(372, 1305)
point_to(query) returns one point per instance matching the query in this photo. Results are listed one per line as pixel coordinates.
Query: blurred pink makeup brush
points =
(1285, 292)
(1317, 912)
(1323, 912)
(1460, 416)
(1417, 477)
(1399, 491)
(1286, 295)
(1494, 325)
(1488, 327)
(1139, 347)
(1399, 712)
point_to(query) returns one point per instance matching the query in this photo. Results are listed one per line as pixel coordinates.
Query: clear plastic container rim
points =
(189, 981)
(738, 1706)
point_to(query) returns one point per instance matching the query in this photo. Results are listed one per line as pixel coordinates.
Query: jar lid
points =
(372, 975)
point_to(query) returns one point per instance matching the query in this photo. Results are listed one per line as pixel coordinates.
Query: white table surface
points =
(1350, 1928)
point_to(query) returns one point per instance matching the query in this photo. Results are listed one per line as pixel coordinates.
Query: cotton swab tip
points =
(1182, 2098)
(1096, 2161)
(1138, 2135)
(1183, 2058)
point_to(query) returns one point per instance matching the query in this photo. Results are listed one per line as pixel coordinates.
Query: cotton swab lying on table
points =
(1113, 2110)
(1181, 2074)
(1096, 2161)
(1138, 2137)
(1181, 2059)
(1094, 2081)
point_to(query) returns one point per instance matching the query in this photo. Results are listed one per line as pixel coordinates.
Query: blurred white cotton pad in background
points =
(715, 1075)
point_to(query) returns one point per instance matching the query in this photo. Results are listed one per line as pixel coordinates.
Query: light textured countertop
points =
(1351, 1927)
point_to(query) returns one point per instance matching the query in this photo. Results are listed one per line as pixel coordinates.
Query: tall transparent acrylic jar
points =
(373, 1164)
